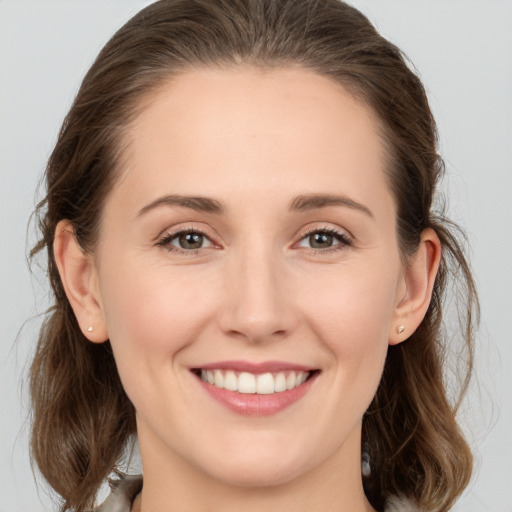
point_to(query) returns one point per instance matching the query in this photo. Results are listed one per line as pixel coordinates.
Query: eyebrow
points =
(314, 201)
(201, 204)
(300, 203)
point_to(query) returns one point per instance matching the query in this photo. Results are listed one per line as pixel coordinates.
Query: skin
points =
(253, 140)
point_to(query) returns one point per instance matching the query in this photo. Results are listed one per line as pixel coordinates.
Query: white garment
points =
(123, 493)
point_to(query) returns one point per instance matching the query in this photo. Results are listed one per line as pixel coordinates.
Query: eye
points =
(189, 240)
(322, 239)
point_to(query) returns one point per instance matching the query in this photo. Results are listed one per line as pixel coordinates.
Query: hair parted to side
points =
(82, 419)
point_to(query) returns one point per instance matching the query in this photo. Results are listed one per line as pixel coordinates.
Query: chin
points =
(257, 468)
(256, 477)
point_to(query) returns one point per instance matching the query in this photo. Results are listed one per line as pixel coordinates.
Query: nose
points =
(258, 303)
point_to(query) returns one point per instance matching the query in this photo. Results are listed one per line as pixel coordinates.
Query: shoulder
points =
(396, 504)
(124, 491)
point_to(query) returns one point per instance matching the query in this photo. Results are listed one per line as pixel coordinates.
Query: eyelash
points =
(343, 239)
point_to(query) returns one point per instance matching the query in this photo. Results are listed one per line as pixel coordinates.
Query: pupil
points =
(320, 240)
(191, 240)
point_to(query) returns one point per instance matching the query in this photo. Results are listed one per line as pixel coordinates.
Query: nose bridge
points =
(257, 307)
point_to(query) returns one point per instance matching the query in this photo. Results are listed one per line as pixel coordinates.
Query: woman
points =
(248, 271)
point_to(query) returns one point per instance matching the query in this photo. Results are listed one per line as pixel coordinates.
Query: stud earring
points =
(400, 329)
(90, 328)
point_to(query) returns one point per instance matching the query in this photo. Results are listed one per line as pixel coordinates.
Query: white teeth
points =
(230, 381)
(280, 383)
(248, 383)
(291, 380)
(219, 378)
(265, 384)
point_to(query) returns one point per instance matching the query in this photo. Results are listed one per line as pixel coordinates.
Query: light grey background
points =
(462, 50)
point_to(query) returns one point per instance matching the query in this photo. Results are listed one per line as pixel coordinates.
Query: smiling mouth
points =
(257, 384)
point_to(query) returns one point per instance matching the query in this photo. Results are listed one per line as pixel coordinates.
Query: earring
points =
(90, 328)
(400, 329)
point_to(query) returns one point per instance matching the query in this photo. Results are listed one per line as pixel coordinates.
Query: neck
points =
(171, 484)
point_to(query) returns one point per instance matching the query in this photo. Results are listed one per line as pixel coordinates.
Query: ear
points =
(416, 287)
(79, 278)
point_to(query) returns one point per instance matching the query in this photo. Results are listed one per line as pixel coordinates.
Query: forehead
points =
(209, 130)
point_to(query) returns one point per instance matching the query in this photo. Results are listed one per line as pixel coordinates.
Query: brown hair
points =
(82, 419)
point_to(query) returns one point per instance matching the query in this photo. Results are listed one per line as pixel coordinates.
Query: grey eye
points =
(321, 240)
(190, 241)
(325, 239)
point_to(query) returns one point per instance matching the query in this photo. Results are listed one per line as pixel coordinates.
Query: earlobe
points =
(79, 279)
(419, 278)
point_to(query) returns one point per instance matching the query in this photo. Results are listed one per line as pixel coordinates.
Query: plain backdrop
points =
(462, 49)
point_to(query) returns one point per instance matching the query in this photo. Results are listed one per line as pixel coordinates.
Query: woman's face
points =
(250, 242)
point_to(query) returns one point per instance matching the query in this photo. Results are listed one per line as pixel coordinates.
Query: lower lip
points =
(251, 404)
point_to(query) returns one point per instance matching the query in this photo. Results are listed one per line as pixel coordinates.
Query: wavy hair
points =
(82, 419)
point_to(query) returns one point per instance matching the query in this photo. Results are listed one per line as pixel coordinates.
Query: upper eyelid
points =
(324, 229)
(174, 234)
(329, 229)
(171, 233)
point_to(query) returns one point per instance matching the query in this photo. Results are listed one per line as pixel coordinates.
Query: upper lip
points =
(256, 368)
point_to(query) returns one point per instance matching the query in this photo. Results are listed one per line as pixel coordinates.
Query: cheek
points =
(354, 310)
(353, 319)
(151, 316)
(152, 306)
